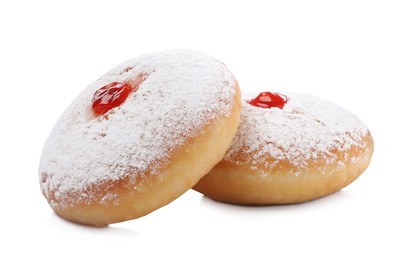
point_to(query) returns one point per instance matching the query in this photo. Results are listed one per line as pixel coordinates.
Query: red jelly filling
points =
(110, 96)
(268, 100)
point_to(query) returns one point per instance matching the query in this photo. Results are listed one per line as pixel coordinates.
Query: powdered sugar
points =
(307, 128)
(183, 91)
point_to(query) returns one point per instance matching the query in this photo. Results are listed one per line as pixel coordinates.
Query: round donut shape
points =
(175, 125)
(306, 150)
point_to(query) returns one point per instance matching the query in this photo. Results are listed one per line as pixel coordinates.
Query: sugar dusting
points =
(307, 128)
(183, 92)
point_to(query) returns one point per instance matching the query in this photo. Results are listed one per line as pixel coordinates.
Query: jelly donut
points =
(289, 148)
(139, 137)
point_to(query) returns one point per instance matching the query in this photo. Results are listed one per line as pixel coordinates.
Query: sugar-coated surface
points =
(183, 92)
(307, 128)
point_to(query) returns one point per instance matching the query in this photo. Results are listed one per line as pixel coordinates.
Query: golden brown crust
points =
(188, 164)
(242, 184)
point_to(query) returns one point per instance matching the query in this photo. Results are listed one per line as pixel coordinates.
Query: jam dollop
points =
(110, 96)
(269, 100)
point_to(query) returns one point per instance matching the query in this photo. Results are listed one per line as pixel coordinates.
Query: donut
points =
(139, 137)
(289, 148)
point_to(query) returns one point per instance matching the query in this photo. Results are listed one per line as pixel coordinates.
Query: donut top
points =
(179, 92)
(307, 128)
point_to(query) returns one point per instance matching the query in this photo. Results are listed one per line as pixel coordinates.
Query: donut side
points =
(250, 184)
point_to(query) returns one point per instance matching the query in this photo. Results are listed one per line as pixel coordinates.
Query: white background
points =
(350, 52)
